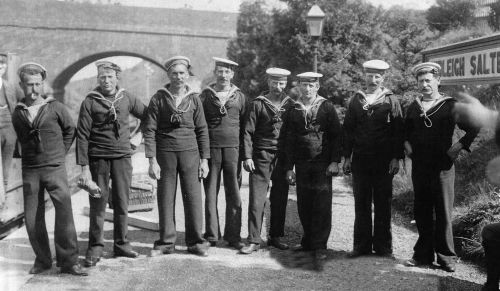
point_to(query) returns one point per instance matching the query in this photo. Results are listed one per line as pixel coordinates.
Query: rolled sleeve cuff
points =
(82, 162)
(205, 155)
(464, 146)
(150, 150)
(466, 142)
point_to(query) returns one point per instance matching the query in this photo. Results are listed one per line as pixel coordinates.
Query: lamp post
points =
(314, 20)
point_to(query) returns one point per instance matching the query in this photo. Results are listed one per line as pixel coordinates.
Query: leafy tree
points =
(249, 48)
(407, 34)
(447, 14)
(351, 35)
(494, 17)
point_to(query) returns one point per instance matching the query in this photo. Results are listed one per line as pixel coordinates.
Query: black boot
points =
(492, 277)
(492, 269)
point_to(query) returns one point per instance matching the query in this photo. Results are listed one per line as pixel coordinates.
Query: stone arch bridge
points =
(66, 36)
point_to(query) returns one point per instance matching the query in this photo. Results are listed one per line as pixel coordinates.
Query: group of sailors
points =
(197, 138)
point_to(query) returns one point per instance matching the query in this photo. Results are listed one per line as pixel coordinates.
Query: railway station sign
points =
(474, 61)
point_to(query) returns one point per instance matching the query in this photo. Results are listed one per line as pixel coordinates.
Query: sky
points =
(216, 5)
(233, 5)
(410, 4)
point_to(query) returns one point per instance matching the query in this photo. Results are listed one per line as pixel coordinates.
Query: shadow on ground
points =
(452, 284)
(192, 273)
(224, 269)
(142, 242)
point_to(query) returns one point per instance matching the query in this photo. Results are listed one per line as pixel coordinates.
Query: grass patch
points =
(467, 228)
(470, 181)
(402, 201)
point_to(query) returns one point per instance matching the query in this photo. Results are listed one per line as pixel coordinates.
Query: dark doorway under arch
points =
(65, 76)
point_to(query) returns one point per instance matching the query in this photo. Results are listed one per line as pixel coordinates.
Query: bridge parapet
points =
(66, 36)
(51, 14)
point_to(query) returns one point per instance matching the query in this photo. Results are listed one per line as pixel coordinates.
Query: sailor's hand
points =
(408, 148)
(454, 150)
(85, 176)
(394, 167)
(154, 169)
(333, 169)
(248, 165)
(203, 169)
(290, 177)
(469, 110)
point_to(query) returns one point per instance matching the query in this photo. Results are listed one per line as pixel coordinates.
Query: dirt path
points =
(224, 269)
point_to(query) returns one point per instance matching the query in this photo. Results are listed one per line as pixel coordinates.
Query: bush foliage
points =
(447, 14)
(354, 32)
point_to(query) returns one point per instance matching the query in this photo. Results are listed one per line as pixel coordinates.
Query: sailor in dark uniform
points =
(103, 150)
(429, 127)
(491, 245)
(177, 145)
(313, 141)
(373, 129)
(45, 131)
(225, 107)
(264, 159)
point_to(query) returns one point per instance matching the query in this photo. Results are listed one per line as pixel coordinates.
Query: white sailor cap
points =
(177, 60)
(108, 65)
(428, 67)
(33, 67)
(277, 74)
(224, 63)
(375, 66)
(309, 77)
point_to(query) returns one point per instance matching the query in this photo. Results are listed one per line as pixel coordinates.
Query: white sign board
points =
(485, 63)
(474, 61)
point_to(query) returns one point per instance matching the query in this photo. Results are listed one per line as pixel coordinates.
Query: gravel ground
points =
(224, 269)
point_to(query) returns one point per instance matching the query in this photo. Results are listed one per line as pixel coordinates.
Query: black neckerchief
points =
(311, 112)
(177, 112)
(34, 127)
(112, 114)
(216, 101)
(379, 99)
(277, 111)
(432, 110)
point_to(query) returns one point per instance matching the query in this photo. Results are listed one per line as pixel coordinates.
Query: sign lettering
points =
(475, 61)
(485, 63)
